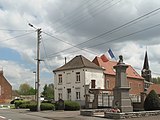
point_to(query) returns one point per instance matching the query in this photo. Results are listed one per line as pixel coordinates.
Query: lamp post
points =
(35, 84)
(38, 64)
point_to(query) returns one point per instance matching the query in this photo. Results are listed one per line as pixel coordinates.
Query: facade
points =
(74, 78)
(135, 81)
(5, 89)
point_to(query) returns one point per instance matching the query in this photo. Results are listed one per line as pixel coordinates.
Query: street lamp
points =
(38, 64)
(35, 84)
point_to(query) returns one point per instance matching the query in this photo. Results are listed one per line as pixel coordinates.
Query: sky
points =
(75, 27)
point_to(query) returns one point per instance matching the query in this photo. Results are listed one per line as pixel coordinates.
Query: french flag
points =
(111, 53)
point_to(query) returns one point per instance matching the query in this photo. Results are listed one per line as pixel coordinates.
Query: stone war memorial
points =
(121, 90)
(122, 104)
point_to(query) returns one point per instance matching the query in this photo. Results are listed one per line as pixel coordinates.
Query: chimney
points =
(1, 72)
(65, 60)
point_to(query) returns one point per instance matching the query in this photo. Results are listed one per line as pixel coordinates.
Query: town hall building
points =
(74, 79)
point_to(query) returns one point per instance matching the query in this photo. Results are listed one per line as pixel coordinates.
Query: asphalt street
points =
(20, 114)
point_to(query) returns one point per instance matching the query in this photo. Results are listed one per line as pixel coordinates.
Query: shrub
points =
(21, 104)
(17, 103)
(152, 101)
(44, 106)
(71, 105)
(47, 106)
(33, 107)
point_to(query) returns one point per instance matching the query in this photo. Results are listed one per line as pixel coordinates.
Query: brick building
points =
(136, 82)
(5, 89)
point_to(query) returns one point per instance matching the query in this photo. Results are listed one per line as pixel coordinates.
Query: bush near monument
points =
(71, 105)
(152, 101)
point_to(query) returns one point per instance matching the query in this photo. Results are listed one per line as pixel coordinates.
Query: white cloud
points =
(80, 21)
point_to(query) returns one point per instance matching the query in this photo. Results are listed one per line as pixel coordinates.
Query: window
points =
(60, 79)
(139, 85)
(59, 95)
(93, 83)
(68, 94)
(77, 76)
(78, 95)
(130, 84)
(68, 78)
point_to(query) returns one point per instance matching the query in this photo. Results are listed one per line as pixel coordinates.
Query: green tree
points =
(48, 91)
(26, 89)
(156, 80)
(152, 101)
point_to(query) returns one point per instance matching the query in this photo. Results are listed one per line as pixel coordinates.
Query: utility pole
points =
(38, 65)
(35, 85)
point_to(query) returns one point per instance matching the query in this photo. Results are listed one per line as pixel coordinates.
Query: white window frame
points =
(60, 95)
(60, 79)
(78, 94)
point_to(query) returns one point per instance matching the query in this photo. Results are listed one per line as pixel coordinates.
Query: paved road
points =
(13, 114)
(10, 114)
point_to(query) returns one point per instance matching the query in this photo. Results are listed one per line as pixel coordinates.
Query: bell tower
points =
(146, 72)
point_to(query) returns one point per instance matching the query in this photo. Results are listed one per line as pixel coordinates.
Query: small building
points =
(5, 89)
(74, 79)
(135, 81)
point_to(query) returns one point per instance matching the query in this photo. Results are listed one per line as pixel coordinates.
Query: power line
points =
(45, 52)
(114, 29)
(72, 13)
(67, 43)
(75, 15)
(148, 28)
(83, 18)
(2, 29)
(18, 36)
(156, 73)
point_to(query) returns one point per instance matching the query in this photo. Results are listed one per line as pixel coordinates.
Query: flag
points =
(111, 53)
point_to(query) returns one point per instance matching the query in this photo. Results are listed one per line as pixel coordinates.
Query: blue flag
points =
(111, 53)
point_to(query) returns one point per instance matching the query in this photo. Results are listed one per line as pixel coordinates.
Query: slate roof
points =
(107, 64)
(78, 62)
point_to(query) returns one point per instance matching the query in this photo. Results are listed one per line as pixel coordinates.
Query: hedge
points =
(21, 104)
(71, 105)
(43, 106)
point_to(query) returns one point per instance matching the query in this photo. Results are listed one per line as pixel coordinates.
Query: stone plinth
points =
(121, 90)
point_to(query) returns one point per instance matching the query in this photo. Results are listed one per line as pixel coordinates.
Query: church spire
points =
(146, 65)
(146, 72)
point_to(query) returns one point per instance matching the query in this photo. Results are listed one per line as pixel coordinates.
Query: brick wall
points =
(5, 89)
(137, 85)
